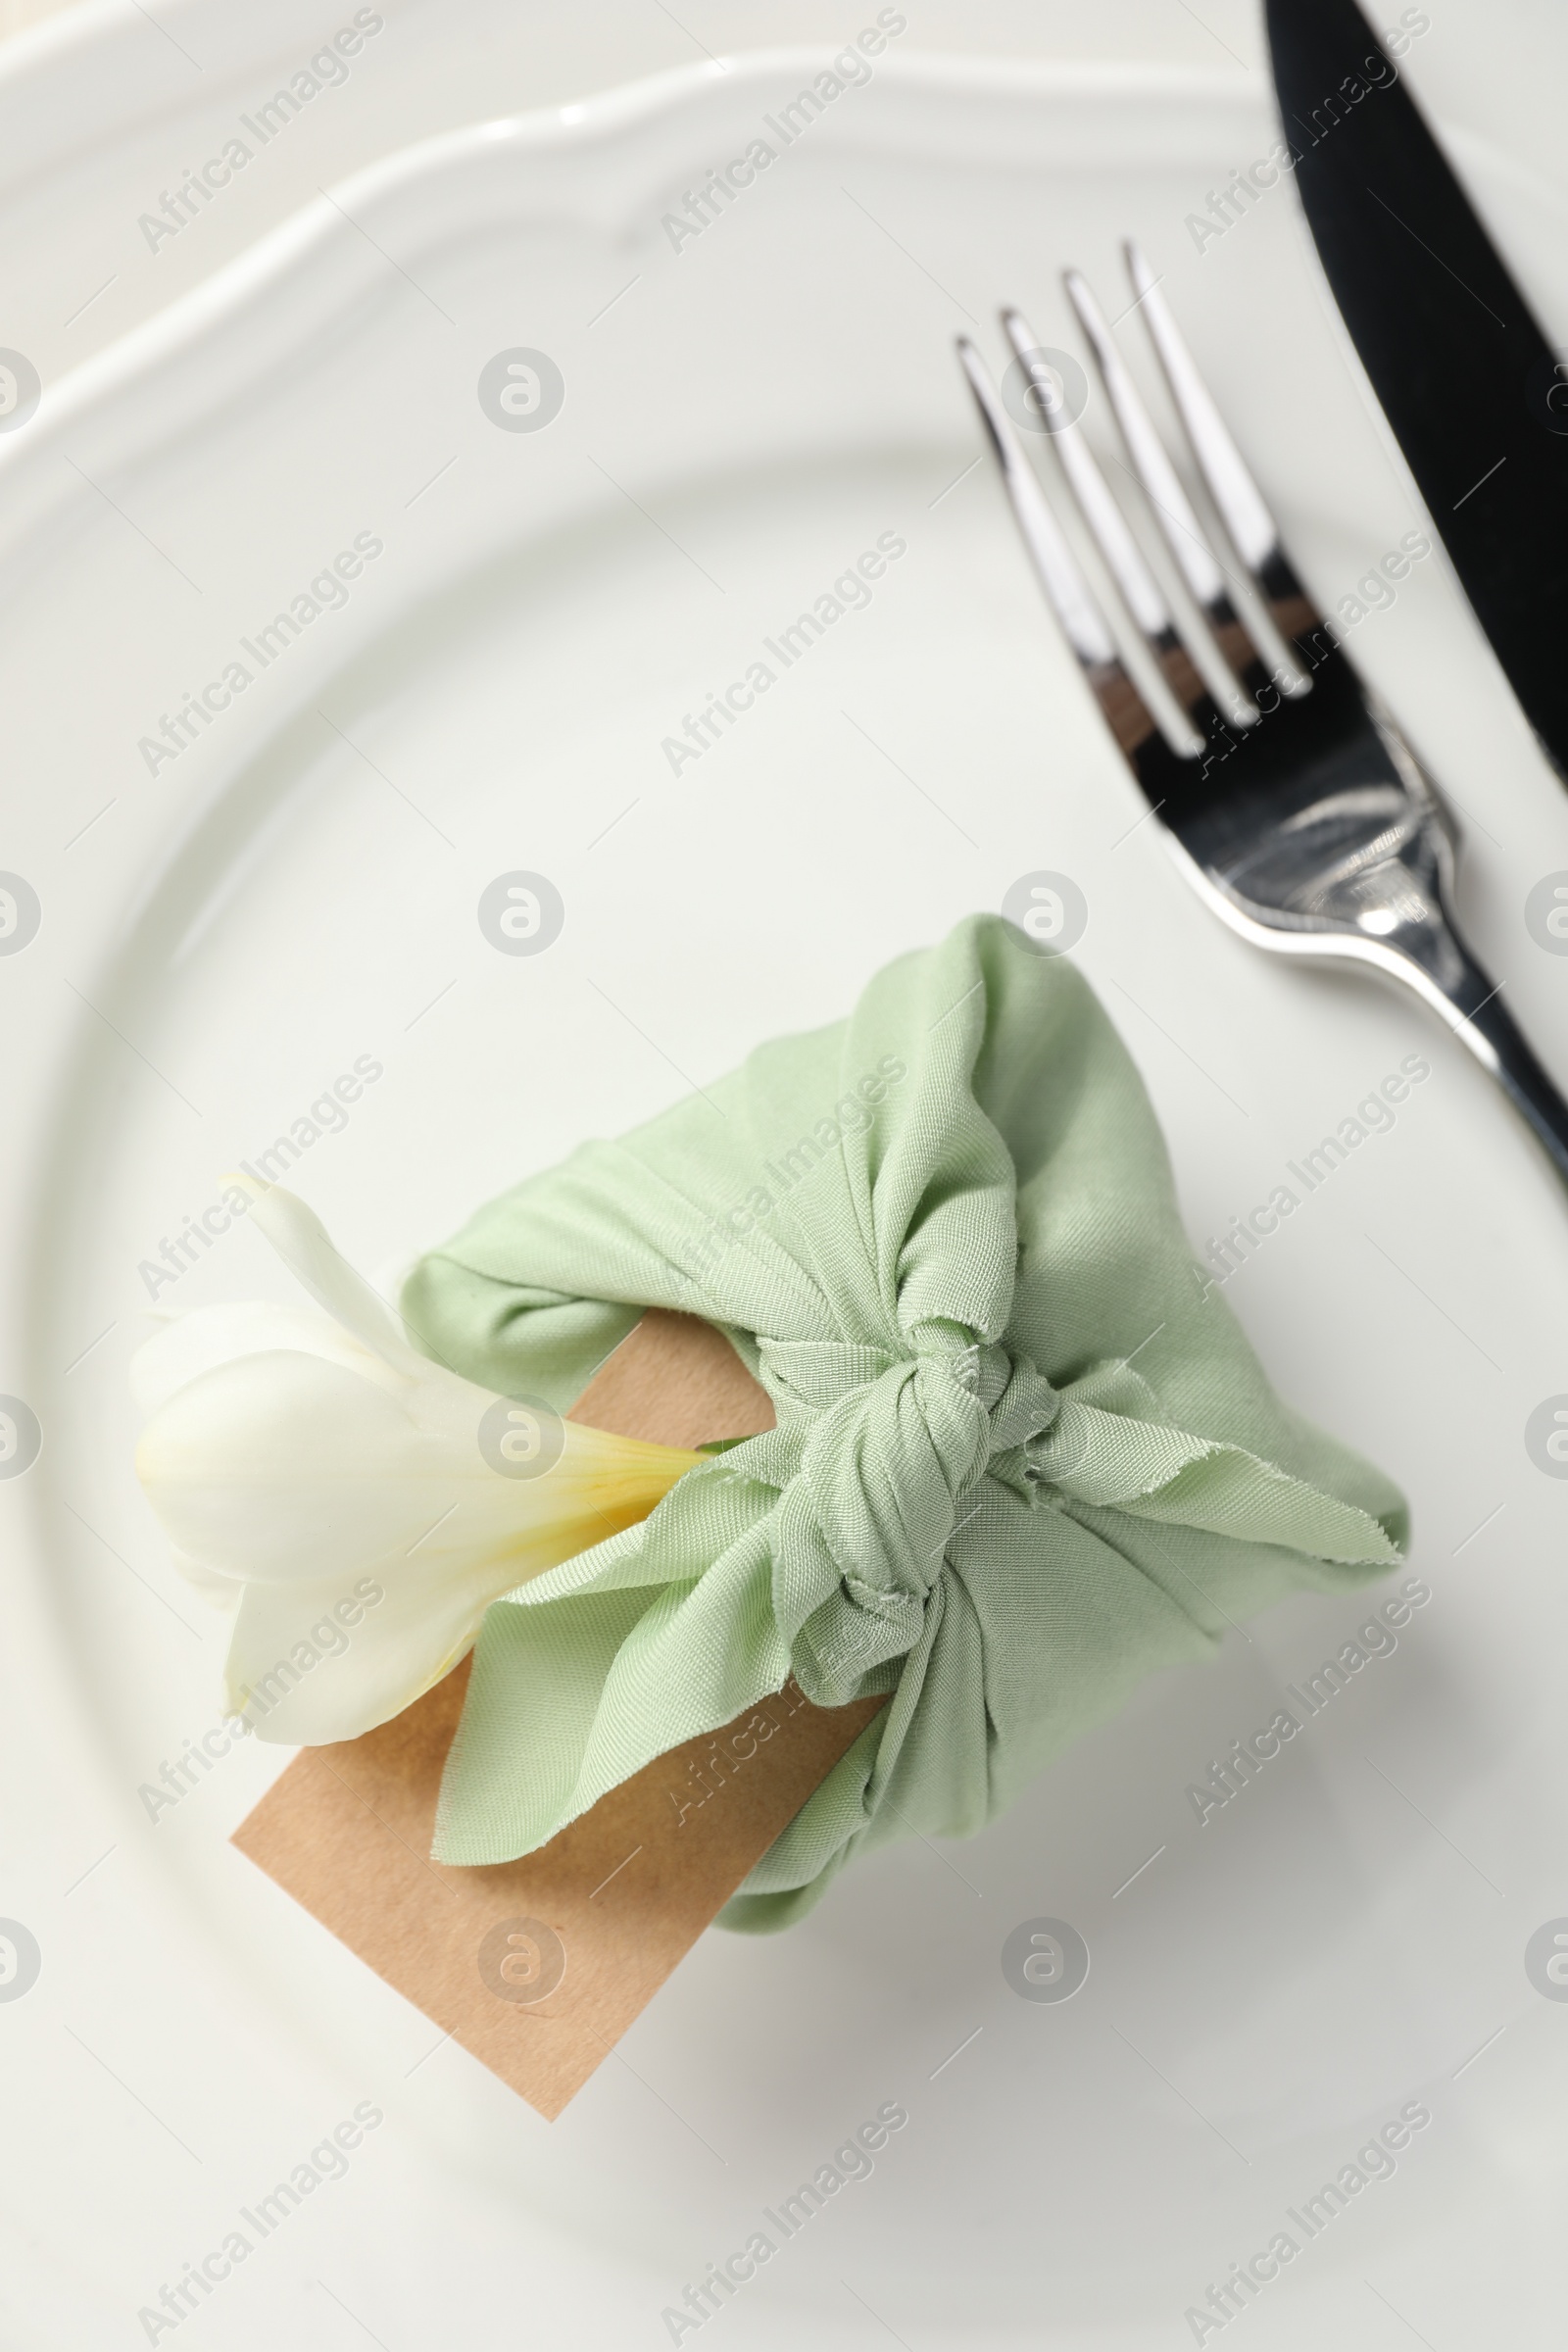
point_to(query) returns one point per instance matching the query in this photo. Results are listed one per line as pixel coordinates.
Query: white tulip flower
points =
(358, 1506)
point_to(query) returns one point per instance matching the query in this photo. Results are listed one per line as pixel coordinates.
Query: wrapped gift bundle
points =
(802, 1471)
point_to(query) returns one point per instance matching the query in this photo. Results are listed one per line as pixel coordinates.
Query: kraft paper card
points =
(538, 1966)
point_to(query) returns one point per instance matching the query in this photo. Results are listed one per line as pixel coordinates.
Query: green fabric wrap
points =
(1023, 1456)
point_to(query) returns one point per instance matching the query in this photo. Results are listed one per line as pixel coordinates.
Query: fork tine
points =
(1069, 593)
(1179, 524)
(1286, 606)
(1124, 559)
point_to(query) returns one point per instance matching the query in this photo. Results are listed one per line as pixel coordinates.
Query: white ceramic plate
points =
(227, 931)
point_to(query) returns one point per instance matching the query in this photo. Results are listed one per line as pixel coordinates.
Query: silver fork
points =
(1302, 816)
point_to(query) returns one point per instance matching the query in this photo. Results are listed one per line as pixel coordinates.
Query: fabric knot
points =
(969, 1159)
(891, 1448)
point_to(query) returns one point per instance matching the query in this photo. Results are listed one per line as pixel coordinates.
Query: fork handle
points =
(1501, 1045)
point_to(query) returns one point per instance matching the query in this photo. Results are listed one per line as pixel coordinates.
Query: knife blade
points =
(1467, 379)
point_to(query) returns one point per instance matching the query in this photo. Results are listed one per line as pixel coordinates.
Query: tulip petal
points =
(356, 1506)
(279, 1465)
(220, 1592)
(187, 1345)
(302, 1677)
(307, 1251)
